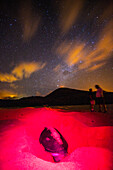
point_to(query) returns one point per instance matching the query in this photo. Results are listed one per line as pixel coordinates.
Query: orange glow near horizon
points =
(62, 86)
(7, 94)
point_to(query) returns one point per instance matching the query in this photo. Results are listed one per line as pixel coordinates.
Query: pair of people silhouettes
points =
(99, 97)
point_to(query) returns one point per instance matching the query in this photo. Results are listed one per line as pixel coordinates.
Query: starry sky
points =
(47, 44)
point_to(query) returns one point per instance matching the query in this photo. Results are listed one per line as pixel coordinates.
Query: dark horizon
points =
(59, 97)
(9, 97)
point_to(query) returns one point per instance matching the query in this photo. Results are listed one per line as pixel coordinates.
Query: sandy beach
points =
(89, 137)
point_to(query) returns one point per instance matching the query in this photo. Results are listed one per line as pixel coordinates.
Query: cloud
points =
(96, 66)
(7, 77)
(63, 48)
(7, 94)
(20, 71)
(29, 19)
(79, 54)
(74, 55)
(69, 11)
(12, 85)
(103, 48)
(108, 12)
(26, 69)
(57, 68)
(71, 53)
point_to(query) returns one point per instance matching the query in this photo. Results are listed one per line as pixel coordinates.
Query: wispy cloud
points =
(69, 11)
(108, 12)
(83, 56)
(22, 70)
(71, 53)
(63, 48)
(5, 77)
(79, 53)
(29, 19)
(96, 66)
(26, 69)
(103, 48)
(57, 68)
(75, 55)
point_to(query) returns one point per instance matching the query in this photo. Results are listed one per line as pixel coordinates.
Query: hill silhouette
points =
(60, 96)
(66, 96)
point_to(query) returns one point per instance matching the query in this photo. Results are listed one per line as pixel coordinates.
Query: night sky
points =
(47, 44)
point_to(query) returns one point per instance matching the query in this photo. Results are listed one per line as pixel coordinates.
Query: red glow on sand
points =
(89, 147)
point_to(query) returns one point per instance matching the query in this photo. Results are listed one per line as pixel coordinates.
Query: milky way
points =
(47, 44)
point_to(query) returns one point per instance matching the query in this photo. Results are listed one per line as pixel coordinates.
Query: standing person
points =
(92, 101)
(100, 98)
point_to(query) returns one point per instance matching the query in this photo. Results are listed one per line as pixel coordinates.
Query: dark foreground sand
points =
(89, 136)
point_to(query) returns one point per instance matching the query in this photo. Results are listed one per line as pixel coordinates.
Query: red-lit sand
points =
(89, 136)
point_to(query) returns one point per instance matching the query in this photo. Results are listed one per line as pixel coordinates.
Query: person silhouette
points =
(92, 101)
(100, 98)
